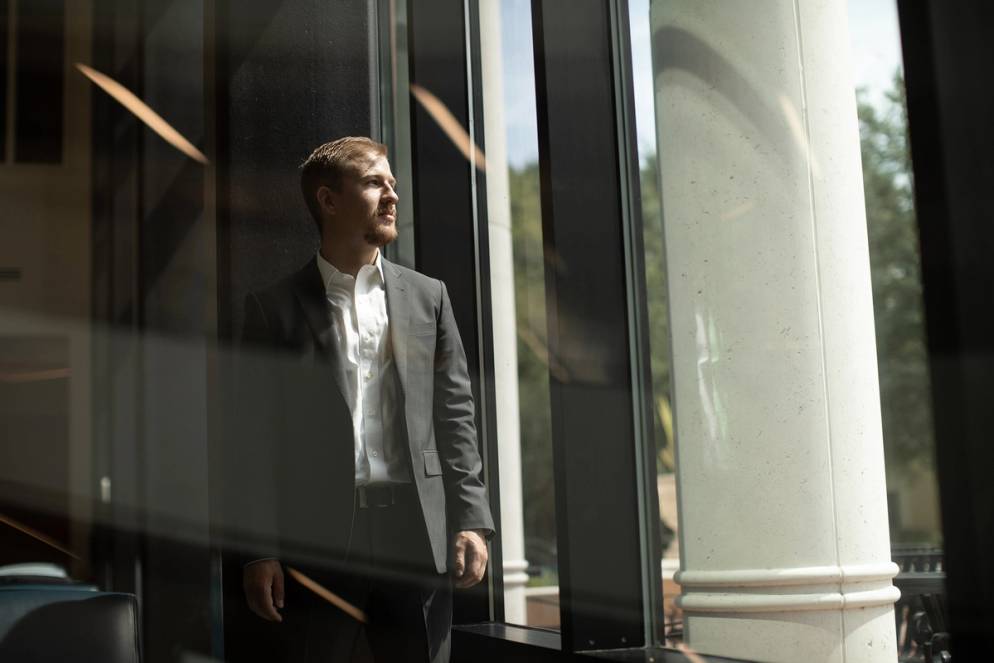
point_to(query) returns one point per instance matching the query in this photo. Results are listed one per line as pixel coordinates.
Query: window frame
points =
(951, 142)
(444, 57)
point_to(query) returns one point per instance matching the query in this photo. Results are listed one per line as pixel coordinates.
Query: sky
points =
(874, 35)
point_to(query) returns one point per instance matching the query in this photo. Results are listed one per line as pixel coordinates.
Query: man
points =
(361, 459)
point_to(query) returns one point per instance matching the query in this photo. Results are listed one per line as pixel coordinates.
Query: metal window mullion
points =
(587, 293)
(484, 301)
(9, 80)
(638, 317)
(451, 227)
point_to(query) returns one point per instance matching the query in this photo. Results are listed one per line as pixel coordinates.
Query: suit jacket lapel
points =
(310, 292)
(400, 315)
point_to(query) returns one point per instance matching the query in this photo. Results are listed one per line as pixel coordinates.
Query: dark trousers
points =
(389, 575)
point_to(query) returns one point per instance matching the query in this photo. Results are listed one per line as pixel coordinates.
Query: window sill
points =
(492, 641)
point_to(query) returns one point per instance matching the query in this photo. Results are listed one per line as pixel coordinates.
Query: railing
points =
(922, 634)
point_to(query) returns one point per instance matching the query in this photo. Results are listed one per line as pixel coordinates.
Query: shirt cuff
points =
(485, 532)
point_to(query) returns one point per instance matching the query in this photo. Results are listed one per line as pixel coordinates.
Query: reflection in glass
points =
(656, 295)
(691, 43)
(124, 258)
(518, 286)
(902, 359)
(123, 261)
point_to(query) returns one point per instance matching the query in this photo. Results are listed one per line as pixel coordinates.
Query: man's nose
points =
(392, 194)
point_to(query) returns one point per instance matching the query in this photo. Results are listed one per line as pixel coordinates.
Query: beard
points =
(381, 233)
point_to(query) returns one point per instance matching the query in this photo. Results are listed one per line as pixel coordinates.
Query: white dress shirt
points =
(362, 337)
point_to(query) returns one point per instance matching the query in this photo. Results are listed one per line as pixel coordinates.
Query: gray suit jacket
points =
(292, 483)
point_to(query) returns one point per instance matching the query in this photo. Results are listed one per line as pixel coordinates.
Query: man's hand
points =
(263, 584)
(470, 558)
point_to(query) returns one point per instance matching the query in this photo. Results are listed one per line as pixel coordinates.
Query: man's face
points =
(366, 203)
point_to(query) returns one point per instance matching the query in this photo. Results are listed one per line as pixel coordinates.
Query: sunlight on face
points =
(367, 202)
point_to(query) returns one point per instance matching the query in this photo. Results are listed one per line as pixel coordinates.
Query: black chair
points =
(42, 623)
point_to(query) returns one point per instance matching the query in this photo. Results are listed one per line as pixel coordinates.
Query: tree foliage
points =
(902, 358)
(896, 273)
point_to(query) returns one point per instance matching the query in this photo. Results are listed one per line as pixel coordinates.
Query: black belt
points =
(383, 495)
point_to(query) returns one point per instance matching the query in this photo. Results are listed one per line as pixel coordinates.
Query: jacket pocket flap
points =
(433, 465)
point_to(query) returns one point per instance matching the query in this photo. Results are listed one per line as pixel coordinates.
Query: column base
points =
(823, 613)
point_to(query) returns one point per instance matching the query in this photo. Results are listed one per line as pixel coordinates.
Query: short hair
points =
(329, 163)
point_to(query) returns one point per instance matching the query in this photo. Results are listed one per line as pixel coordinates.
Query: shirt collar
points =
(330, 273)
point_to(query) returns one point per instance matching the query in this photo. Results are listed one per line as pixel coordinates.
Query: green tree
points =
(896, 273)
(902, 358)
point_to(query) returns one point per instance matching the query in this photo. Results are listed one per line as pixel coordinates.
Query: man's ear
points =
(326, 199)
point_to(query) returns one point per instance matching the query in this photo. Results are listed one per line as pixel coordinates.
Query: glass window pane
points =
(903, 363)
(518, 290)
(740, 151)
(656, 294)
(151, 177)
(152, 187)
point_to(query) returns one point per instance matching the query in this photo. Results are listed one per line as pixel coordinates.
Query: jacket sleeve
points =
(455, 429)
(250, 459)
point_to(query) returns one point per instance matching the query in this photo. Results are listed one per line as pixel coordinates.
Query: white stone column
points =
(783, 526)
(504, 317)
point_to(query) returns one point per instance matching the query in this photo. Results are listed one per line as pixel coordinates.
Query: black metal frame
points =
(4, 67)
(952, 141)
(598, 433)
(583, 224)
(638, 308)
(117, 238)
(40, 81)
(488, 400)
(451, 232)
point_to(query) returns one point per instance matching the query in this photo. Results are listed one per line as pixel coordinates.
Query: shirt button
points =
(369, 375)
(376, 454)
